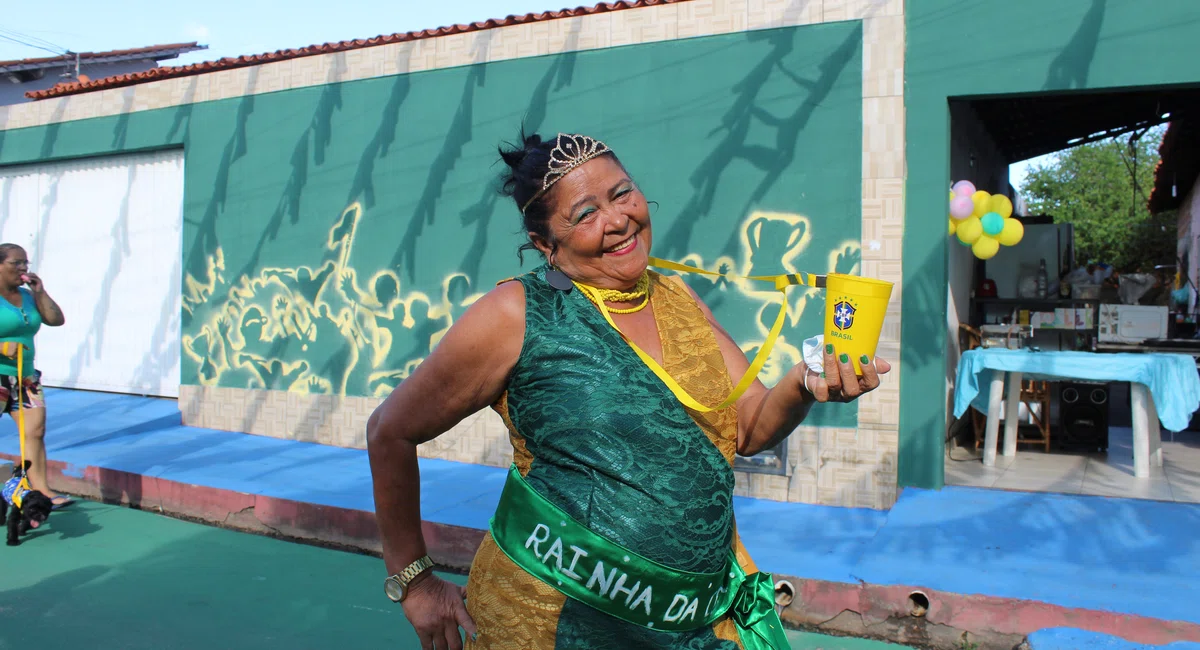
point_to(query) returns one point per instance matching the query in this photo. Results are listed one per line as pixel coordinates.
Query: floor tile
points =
(1065, 483)
(1149, 488)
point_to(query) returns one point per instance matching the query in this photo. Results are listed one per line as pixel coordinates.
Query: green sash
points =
(542, 539)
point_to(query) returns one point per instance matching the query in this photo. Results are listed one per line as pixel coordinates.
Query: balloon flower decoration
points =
(982, 221)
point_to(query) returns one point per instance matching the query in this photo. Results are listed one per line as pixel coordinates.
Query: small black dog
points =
(30, 508)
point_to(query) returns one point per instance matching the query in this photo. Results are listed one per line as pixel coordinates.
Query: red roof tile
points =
(231, 63)
(152, 51)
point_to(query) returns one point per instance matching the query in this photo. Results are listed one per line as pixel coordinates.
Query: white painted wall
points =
(105, 235)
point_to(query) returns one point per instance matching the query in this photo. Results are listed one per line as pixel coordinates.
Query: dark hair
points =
(527, 162)
(5, 248)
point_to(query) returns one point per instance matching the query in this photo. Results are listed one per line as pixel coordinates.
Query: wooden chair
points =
(970, 338)
(1037, 392)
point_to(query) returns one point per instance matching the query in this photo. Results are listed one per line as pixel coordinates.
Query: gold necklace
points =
(640, 290)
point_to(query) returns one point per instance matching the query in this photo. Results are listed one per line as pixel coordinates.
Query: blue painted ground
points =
(1071, 639)
(1128, 556)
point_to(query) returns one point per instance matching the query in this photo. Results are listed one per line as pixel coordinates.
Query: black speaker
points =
(1083, 412)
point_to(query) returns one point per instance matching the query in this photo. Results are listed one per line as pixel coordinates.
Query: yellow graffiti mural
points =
(329, 328)
(316, 329)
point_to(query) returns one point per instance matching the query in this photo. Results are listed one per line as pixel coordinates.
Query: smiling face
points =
(601, 225)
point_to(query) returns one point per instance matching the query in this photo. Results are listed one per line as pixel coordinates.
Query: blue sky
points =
(235, 27)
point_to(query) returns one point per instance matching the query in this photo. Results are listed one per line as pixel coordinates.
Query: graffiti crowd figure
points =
(615, 528)
(314, 328)
(303, 284)
(773, 240)
(377, 313)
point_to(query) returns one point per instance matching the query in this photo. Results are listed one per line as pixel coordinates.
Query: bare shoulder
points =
(506, 300)
(466, 371)
(496, 320)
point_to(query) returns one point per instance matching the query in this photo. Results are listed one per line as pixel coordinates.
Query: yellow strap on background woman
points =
(24, 484)
(782, 282)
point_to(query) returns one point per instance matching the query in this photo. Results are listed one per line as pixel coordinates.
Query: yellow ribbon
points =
(24, 482)
(781, 282)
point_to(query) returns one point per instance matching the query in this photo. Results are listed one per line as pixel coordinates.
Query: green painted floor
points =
(101, 576)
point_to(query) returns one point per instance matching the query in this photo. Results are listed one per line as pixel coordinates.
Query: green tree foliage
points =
(1091, 186)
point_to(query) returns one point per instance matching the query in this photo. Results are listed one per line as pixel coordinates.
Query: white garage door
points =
(105, 235)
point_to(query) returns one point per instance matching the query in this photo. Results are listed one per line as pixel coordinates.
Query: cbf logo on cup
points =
(843, 315)
(854, 311)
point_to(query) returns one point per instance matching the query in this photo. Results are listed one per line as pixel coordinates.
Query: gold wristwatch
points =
(396, 587)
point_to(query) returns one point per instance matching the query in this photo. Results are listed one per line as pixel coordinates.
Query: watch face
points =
(392, 588)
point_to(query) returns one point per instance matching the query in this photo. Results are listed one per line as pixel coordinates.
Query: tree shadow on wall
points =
(52, 129)
(1069, 70)
(924, 298)
(363, 186)
(183, 114)
(736, 123)
(320, 132)
(121, 130)
(207, 243)
(50, 198)
(118, 251)
(558, 76)
(458, 135)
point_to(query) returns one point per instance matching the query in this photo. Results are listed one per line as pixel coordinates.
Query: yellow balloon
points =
(1001, 205)
(969, 230)
(982, 201)
(953, 226)
(951, 195)
(985, 247)
(1013, 231)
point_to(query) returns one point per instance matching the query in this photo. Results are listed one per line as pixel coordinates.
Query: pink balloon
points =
(961, 207)
(964, 188)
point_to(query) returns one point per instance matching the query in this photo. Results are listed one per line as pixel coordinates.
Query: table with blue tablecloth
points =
(1163, 387)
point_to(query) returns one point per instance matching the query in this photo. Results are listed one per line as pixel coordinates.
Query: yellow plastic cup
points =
(854, 311)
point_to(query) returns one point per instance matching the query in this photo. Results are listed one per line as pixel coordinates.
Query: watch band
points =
(413, 570)
(407, 575)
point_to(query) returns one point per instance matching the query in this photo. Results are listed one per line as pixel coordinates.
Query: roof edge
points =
(156, 52)
(232, 63)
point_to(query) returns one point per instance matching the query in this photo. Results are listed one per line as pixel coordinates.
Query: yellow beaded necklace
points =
(640, 290)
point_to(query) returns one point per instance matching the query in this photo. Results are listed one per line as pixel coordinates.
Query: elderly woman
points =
(26, 308)
(615, 528)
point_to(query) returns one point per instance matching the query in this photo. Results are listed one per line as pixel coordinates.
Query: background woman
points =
(26, 307)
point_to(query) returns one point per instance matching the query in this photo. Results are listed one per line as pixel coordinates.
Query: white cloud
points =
(196, 32)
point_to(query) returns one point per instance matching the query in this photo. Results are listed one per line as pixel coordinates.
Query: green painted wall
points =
(964, 48)
(332, 234)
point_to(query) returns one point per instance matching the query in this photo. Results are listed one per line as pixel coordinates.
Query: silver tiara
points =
(570, 151)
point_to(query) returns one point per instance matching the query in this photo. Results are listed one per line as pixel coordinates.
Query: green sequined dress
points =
(598, 434)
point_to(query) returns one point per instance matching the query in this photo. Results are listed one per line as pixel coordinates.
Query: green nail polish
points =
(822, 375)
(864, 360)
(828, 348)
(475, 637)
(845, 358)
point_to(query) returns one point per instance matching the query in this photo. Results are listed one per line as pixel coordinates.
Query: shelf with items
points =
(1059, 317)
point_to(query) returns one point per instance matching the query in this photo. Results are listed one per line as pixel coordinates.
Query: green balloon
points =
(993, 223)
